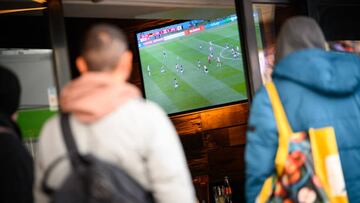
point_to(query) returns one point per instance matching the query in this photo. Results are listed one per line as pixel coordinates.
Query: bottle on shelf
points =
(228, 190)
(215, 192)
(221, 195)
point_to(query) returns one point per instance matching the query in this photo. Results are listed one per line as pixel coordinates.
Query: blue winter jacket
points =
(317, 89)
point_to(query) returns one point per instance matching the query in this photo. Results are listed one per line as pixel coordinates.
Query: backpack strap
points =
(44, 186)
(283, 126)
(73, 152)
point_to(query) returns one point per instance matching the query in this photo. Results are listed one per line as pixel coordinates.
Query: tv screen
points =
(192, 65)
(352, 46)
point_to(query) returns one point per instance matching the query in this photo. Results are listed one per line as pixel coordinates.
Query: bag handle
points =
(283, 126)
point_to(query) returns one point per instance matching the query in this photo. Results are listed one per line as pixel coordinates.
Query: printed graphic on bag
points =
(307, 164)
(298, 183)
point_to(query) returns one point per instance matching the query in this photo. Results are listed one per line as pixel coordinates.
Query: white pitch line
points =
(223, 49)
(221, 55)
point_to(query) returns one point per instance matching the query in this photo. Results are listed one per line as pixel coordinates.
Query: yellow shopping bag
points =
(308, 167)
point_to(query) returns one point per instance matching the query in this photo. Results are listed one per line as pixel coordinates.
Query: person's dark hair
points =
(103, 46)
(9, 92)
(298, 33)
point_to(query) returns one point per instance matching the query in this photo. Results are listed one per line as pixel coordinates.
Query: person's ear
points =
(14, 116)
(81, 65)
(125, 65)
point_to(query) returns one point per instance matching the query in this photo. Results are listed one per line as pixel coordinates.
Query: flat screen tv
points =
(192, 65)
(352, 46)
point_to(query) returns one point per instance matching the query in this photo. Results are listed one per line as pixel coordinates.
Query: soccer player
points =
(211, 48)
(162, 69)
(206, 69)
(218, 62)
(235, 55)
(164, 57)
(181, 69)
(199, 64)
(176, 84)
(226, 45)
(209, 59)
(148, 69)
(177, 67)
(233, 52)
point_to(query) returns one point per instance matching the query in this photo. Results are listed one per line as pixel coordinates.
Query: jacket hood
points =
(299, 33)
(94, 95)
(326, 72)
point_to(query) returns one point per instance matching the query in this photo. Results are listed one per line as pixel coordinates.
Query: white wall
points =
(35, 71)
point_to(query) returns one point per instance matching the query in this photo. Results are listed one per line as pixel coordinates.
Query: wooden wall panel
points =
(226, 137)
(237, 135)
(202, 188)
(193, 142)
(217, 118)
(225, 117)
(226, 162)
(188, 124)
(196, 153)
(199, 166)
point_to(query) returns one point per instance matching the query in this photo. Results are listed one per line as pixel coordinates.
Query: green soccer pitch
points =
(194, 88)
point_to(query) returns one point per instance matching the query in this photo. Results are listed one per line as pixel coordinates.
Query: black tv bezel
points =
(194, 110)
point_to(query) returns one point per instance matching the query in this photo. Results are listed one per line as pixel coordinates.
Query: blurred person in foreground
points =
(111, 120)
(16, 168)
(317, 89)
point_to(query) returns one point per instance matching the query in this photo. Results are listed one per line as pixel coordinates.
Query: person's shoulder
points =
(144, 113)
(8, 138)
(260, 105)
(143, 107)
(50, 127)
(19, 156)
(261, 96)
(346, 57)
(53, 120)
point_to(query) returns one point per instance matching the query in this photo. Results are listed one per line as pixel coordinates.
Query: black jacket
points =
(16, 165)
